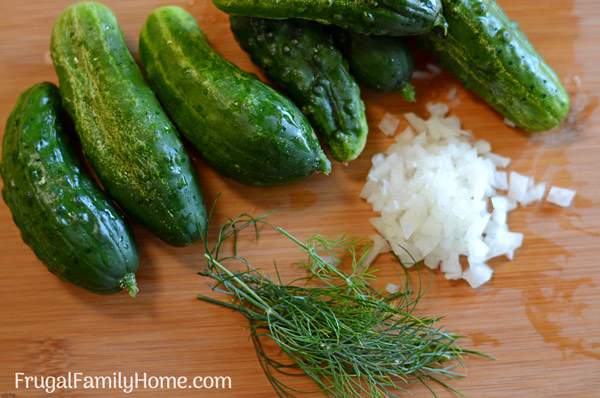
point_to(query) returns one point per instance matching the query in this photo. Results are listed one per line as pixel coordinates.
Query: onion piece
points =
(415, 122)
(483, 147)
(561, 196)
(478, 274)
(389, 124)
(518, 186)
(498, 160)
(535, 194)
(436, 70)
(379, 246)
(422, 75)
(452, 94)
(500, 180)
(436, 110)
(392, 288)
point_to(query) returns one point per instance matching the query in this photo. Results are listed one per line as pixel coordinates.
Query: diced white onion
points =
(433, 69)
(452, 93)
(502, 206)
(421, 75)
(389, 124)
(535, 194)
(561, 196)
(499, 161)
(432, 189)
(500, 180)
(380, 245)
(416, 122)
(483, 147)
(392, 288)
(518, 186)
(436, 109)
(478, 274)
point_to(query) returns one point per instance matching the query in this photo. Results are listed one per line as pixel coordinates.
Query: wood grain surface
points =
(539, 317)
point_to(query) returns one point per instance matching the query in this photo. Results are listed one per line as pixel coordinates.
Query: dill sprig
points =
(332, 325)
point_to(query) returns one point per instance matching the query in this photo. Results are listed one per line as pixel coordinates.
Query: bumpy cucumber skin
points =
(63, 216)
(301, 57)
(242, 127)
(494, 59)
(129, 140)
(381, 63)
(370, 17)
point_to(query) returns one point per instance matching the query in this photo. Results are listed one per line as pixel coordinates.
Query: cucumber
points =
(381, 63)
(370, 17)
(63, 216)
(131, 143)
(242, 127)
(301, 57)
(494, 59)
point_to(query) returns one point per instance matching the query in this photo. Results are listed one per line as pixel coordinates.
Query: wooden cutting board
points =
(539, 317)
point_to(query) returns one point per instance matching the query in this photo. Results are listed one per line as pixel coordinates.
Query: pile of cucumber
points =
(129, 124)
(473, 39)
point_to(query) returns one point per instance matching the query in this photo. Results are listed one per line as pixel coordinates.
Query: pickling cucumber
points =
(301, 57)
(371, 17)
(242, 127)
(62, 214)
(381, 63)
(131, 143)
(494, 59)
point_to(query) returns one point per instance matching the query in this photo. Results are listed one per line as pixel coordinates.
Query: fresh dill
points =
(334, 328)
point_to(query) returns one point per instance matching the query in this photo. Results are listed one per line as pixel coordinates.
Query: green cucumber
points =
(382, 63)
(371, 17)
(494, 59)
(129, 140)
(62, 214)
(301, 57)
(241, 126)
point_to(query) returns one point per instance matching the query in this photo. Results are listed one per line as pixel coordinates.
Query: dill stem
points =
(254, 298)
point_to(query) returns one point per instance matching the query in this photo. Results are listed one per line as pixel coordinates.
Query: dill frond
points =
(332, 325)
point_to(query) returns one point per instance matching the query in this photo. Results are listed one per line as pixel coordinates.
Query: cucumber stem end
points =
(408, 92)
(129, 283)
